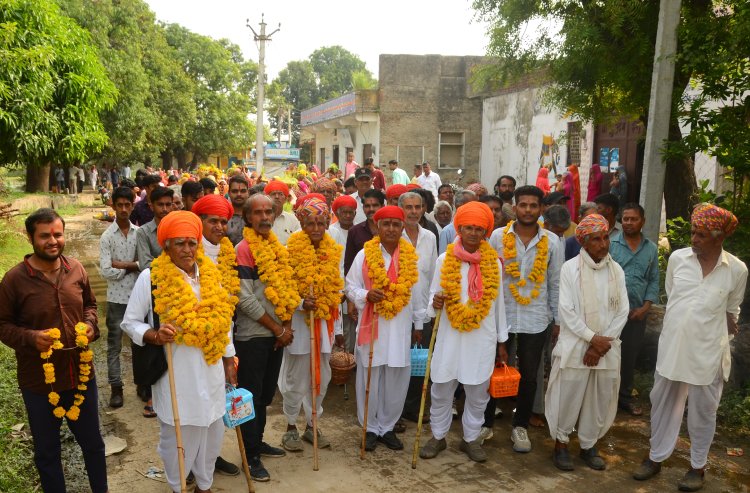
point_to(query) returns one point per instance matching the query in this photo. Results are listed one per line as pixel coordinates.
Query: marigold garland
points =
(538, 270)
(203, 324)
(466, 317)
(319, 268)
(226, 262)
(397, 295)
(84, 371)
(272, 260)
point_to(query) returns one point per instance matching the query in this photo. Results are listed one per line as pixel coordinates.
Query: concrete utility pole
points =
(659, 110)
(261, 39)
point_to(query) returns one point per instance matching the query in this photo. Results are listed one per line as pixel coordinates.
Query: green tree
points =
(298, 87)
(333, 67)
(363, 80)
(52, 90)
(597, 58)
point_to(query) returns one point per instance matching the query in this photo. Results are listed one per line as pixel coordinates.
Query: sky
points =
(367, 29)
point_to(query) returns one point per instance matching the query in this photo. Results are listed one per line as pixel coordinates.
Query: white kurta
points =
(394, 335)
(199, 387)
(427, 254)
(468, 357)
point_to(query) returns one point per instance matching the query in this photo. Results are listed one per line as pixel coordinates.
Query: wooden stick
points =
(313, 347)
(424, 389)
(367, 388)
(176, 416)
(245, 466)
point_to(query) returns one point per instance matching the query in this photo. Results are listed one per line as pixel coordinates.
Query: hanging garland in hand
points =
(84, 371)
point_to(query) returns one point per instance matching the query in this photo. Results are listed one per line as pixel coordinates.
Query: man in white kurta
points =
(391, 363)
(705, 286)
(466, 357)
(585, 376)
(199, 387)
(344, 208)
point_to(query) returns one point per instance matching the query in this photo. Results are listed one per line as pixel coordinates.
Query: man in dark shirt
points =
(48, 290)
(142, 213)
(361, 233)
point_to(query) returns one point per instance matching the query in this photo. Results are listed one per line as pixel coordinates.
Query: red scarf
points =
(368, 317)
(476, 289)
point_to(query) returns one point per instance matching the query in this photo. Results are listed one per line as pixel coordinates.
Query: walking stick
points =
(367, 388)
(313, 347)
(176, 416)
(424, 389)
(245, 466)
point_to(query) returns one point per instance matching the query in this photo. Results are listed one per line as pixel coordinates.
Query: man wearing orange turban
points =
(393, 192)
(199, 385)
(472, 331)
(284, 223)
(705, 286)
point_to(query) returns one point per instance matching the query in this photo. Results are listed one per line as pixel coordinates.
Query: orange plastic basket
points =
(504, 382)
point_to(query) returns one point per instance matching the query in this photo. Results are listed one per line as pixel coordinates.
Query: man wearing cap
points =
(344, 207)
(585, 376)
(393, 192)
(472, 331)
(363, 182)
(316, 260)
(398, 176)
(199, 372)
(387, 288)
(284, 223)
(215, 213)
(705, 285)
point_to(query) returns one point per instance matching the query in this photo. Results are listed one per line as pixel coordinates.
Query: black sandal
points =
(148, 412)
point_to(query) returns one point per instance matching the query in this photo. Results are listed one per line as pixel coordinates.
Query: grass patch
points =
(13, 245)
(17, 471)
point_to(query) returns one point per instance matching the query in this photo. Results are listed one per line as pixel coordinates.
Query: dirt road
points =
(341, 470)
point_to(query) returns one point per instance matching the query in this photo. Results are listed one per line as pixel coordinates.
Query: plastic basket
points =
(504, 382)
(240, 408)
(418, 361)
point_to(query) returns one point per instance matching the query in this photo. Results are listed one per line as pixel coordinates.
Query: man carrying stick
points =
(316, 258)
(385, 285)
(188, 295)
(472, 332)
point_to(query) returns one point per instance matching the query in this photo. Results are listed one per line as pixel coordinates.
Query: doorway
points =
(336, 156)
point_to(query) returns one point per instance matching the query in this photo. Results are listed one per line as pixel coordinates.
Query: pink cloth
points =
(476, 288)
(568, 190)
(369, 321)
(350, 168)
(595, 183)
(542, 180)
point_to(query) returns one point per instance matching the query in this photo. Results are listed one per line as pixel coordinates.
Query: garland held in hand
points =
(274, 270)
(203, 324)
(397, 295)
(84, 371)
(538, 270)
(466, 317)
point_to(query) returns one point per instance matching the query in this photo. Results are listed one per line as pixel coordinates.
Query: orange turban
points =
(344, 201)
(712, 218)
(389, 212)
(593, 223)
(213, 205)
(276, 186)
(179, 224)
(412, 186)
(395, 191)
(475, 214)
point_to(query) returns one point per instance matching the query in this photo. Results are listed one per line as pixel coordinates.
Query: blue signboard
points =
(344, 105)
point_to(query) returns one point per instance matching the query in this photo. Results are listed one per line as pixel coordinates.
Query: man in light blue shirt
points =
(398, 176)
(639, 258)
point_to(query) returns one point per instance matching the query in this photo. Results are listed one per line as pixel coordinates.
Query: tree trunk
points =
(166, 160)
(37, 178)
(679, 183)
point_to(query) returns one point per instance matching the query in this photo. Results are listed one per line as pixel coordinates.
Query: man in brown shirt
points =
(48, 290)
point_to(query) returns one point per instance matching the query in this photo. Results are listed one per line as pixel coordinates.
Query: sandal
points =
(148, 412)
(400, 426)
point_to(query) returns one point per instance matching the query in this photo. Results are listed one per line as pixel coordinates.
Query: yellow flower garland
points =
(319, 268)
(272, 260)
(397, 295)
(466, 317)
(536, 275)
(226, 262)
(203, 324)
(84, 371)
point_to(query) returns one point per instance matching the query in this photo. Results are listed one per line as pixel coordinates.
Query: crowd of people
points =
(254, 283)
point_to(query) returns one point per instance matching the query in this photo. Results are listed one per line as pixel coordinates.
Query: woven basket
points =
(342, 364)
(504, 382)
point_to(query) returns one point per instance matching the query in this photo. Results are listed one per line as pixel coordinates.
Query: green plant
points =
(734, 410)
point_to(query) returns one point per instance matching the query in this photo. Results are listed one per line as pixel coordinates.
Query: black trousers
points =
(258, 372)
(529, 353)
(632, 340)
(45, 430)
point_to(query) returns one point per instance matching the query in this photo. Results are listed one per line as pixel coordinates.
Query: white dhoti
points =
(202, 446)
(441, 410)
(388, 386)
(294, 385)
(667, 408)
(584, 396)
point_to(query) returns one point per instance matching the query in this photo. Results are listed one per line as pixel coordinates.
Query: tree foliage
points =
(333, 67)
(52, 87)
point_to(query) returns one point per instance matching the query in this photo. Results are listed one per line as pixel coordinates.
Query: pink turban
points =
(213, 205)
(478, 189)
(475, 214)
(593, 223)
(324, 184)
(713, 218)
(179, 224)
